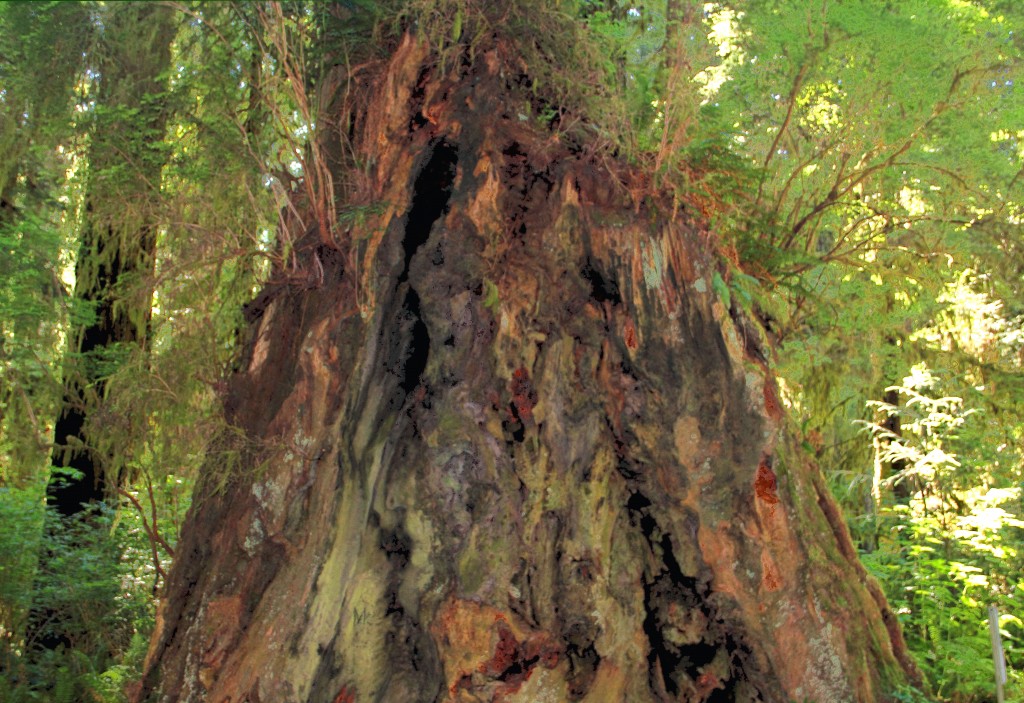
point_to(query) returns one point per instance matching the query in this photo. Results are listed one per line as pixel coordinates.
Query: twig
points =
(154, 536)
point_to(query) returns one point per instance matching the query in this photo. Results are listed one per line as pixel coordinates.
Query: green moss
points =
(492, 301)
(471, 568)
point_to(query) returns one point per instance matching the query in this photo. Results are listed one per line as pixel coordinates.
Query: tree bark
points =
(547, 463)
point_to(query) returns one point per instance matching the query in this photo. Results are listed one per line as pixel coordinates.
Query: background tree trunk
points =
(113, 272)
(115, 262)
(546, 464)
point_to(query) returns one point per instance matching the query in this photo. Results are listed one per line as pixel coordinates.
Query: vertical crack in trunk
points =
(431, 193)
(602, 286)
(692, 654)
(418, 349)
(416, 674)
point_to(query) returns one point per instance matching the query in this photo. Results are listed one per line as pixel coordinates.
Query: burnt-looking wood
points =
(544, 466)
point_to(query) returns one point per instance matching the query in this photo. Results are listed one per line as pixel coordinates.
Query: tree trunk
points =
(115, 262)
(546, 463)
(903, 489)
(113, 272)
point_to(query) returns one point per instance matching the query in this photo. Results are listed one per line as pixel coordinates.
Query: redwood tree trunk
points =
(113, 279)
(118, 240)
(544, 465)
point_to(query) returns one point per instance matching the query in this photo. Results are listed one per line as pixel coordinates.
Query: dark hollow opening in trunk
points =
(602, 287)
(431, 193)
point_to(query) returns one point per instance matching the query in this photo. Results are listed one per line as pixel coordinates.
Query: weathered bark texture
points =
(545, 465)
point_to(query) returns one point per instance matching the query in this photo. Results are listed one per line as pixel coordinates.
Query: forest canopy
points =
(854, 167)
